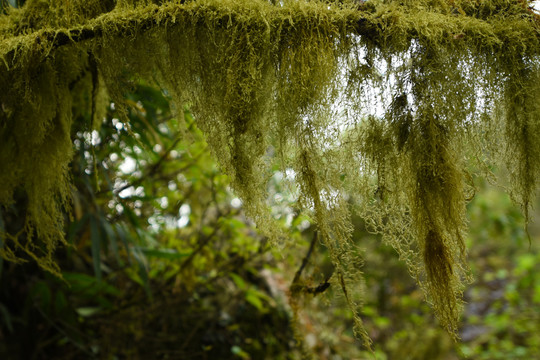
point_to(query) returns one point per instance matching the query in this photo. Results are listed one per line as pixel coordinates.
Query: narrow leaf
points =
(96, 246)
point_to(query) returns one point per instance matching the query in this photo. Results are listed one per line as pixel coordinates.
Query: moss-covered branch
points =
(487, 24)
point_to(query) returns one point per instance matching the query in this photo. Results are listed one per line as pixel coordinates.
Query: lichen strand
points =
(36, 150)
(331, 215)
(300, 81)
(438, 199)
(522, 130)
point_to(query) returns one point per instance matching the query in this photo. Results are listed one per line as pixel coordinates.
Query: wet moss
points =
(297, 80)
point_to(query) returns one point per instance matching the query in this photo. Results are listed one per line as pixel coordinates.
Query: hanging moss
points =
(382, 101)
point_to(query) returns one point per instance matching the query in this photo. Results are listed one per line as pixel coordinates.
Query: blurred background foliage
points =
(163, 264)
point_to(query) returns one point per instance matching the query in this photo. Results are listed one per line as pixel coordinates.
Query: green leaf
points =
(87, 311)
(168, 254)
(382, 322)
(240, 283)
(124, 237)
(75, 226)
(236, 224)
(60, 303)
(536, 293)
(42, 294)
(78, 281)
(253, 299)
(86, 284)
(526, 262)
(143, 269)
(111, 236)
(237, 350)
(96, 246)
(6, 316)
(133, 218)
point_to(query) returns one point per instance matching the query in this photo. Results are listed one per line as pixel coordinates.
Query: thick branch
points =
(126, 23)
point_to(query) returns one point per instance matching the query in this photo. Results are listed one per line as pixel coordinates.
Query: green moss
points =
(269, 80)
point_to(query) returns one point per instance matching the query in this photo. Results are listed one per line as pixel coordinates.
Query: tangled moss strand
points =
(376, 105)
(521, 117)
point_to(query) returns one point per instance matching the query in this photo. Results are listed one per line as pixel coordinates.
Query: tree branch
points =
(297, 286)
(362, 22)
(305, 260)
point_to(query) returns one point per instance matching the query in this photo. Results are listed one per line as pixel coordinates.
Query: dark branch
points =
(305, 260)
(297, 286)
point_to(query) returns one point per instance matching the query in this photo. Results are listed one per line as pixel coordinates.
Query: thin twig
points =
(297, 286)
(305, 260)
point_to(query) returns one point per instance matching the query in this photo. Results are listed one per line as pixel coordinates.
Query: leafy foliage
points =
(159, 263)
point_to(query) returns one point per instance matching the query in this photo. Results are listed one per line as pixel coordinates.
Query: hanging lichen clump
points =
(377, 107)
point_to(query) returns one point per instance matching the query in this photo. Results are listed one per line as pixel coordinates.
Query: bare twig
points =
(297, 285)
(305, 260)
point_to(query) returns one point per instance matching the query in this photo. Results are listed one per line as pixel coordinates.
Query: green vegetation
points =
(144, 279)
(158, 264)
(288, 87)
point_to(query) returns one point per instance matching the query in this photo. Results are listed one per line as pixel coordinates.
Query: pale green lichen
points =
(297, 80)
